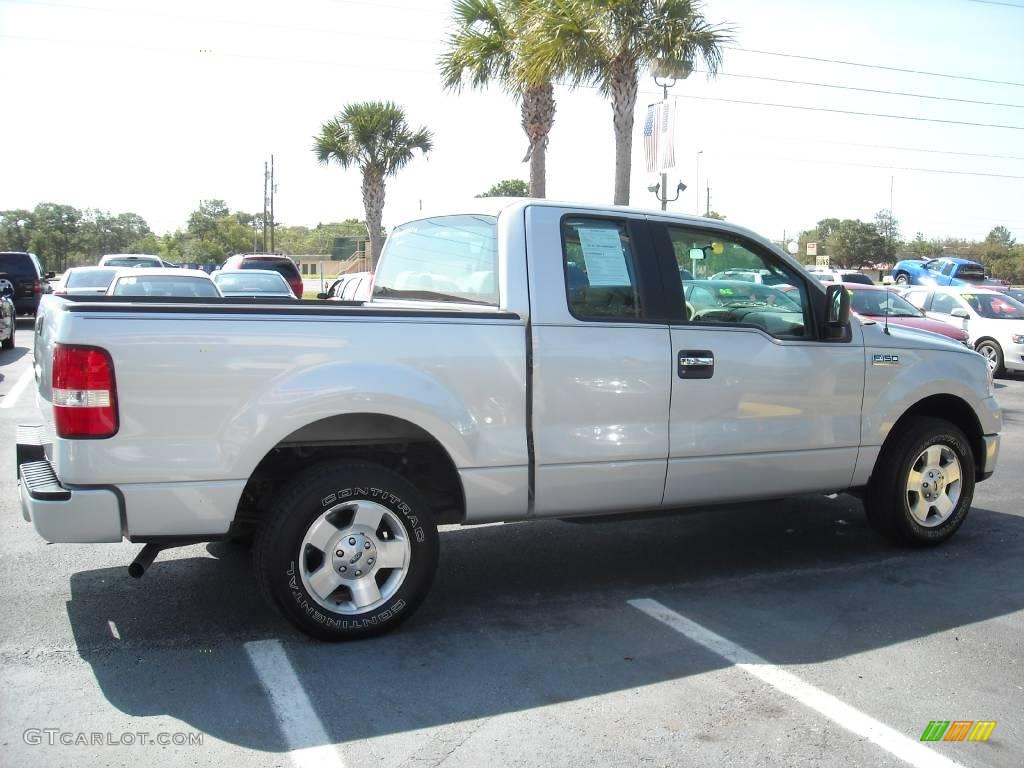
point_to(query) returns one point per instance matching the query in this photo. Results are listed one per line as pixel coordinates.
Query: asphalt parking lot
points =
(779, 634)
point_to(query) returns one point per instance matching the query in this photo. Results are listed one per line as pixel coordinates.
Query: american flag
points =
(652, 133)
(668, 135)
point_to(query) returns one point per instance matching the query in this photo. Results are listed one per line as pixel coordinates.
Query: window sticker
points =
(604, 257)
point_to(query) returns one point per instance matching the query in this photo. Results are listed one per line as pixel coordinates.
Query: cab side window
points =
(727, 282)
(944, 303)
(947, 268)
(917, 298)
(600, 269)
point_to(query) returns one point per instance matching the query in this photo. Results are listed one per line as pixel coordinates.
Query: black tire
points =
(8, 343)
(331, 489)
(887, 501)
(902, 279)
(991, 350)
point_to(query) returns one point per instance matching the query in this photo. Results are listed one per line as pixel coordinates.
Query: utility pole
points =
(266, 179)
(272, 189)
(708, 211)
(697, 185)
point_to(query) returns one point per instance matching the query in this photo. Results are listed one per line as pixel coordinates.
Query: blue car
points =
(942, 271)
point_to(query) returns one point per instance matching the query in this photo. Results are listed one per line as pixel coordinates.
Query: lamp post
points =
(666, 72)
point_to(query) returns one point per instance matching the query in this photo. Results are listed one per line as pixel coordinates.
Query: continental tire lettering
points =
(344, 494)
(328, 500)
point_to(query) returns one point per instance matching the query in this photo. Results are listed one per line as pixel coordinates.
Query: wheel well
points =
(948, 408)
(394, 443)
(983, 339)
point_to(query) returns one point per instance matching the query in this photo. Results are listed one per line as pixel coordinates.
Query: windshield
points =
(243, 282)
(89, 278)
(881, 304)
(161, 285)
(448, 258)
(995, 306)
(133, 262)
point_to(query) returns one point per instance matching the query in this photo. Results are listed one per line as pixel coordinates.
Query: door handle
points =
(695, 364)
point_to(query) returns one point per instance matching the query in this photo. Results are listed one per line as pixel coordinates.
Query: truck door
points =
(600, 352)
(760, 405)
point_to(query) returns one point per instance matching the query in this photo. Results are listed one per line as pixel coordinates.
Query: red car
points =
(283, 265)
(876, 302)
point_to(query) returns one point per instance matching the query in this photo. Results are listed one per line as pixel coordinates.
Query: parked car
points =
(85, 281)
(141, 281)
(483, 383)
(993, 320)
(764, 276)
(255, 283)
(8, 314)
(942, 271)
(876, 302)
(351, 287)
(1016, 293)
(124, 260)
(280, 264)
(841, 276)
(28, 278)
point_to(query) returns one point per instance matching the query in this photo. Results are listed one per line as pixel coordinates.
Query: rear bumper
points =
(25, 304)
(60, 514)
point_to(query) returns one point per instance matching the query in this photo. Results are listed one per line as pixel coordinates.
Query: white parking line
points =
(853, 720)
(19, 386)
(292, 708)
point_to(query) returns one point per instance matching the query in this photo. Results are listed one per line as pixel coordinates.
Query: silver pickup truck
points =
(517, 360)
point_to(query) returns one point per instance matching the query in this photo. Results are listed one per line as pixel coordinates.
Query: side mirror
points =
(837, 306)
(963, 314)
(321, 295)
(50, 275)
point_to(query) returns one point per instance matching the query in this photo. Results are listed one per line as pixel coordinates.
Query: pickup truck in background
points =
(518, 360)
(943, 271)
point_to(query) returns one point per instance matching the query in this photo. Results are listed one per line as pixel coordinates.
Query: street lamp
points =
(666, 72)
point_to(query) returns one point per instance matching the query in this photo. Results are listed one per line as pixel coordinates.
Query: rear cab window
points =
(600, 269)
(446, 258)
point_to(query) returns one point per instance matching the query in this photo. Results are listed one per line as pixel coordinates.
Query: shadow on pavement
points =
(523, 616)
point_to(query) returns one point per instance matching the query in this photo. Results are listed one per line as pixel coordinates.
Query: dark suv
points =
(26, 273)
(280, 264)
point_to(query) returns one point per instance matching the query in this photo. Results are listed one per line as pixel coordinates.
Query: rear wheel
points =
(8, 343)
(992, 352)
(923, 484)
(902, 279)
(350, 551)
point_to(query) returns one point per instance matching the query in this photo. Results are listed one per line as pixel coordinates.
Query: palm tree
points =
(375, 137)
(608, 42)
(487, 46)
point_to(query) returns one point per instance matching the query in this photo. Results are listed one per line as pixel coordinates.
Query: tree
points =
(1000, 236)
(508, 188)
(714, 215)
(56, 233)
(16, 229)
(889, 228)
(608, 42)
(375, 137)
(487, 46)
(853, 244)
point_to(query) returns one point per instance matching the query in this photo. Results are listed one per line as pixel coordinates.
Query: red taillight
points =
(84, 393)
(36, 287)
(297, 287)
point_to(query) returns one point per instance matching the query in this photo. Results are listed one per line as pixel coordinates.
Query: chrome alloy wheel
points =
(989, 353)
(354, 557)
(933, 485)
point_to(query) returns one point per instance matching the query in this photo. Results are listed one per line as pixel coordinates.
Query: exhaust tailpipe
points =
(143, 560)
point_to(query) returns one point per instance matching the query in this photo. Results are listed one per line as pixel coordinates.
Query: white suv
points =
(994, 321)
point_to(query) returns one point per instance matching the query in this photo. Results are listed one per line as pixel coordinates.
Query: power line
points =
(901, 149)
(915, 118)
(997, 2)
(865, 90)
(874, 66)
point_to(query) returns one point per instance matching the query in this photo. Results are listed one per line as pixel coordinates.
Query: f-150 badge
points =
(885, 359)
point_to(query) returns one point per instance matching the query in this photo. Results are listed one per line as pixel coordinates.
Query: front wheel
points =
(350, 551)
(923, 484)
(902, 279)
(8, 343)
(992, 352)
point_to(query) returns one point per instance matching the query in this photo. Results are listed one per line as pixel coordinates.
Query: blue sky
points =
(117, 105)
